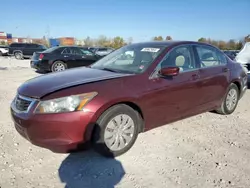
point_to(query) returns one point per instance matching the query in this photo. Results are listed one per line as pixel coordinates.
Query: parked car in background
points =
(60, 58)
(231, 53)
(110, 102)
(243, 56)
(102, 51)
(25, 50)
(4, 50)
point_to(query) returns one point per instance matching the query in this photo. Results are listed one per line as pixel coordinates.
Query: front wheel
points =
(116, 130)
(18, 55)
(230, 101)
(58, 66)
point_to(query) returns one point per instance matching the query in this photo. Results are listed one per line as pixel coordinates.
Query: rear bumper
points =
(39, 65)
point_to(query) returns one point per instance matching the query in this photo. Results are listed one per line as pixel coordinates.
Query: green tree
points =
(214, 43)
(222, 45)
(118, 42)
(169, 38)
(239, 45)
(2, 42)
(159, 38)
(202, 40)
(103, 41)
(231, 44)
(88, 42)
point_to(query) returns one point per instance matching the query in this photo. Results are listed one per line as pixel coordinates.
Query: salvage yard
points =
(208, 150)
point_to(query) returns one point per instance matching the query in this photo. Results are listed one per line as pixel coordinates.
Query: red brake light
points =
(41, 56)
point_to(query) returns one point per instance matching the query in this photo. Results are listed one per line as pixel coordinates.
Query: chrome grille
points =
(22, 104)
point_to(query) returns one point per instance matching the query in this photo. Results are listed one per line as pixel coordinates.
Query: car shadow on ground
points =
(88, 170)
(40, 72)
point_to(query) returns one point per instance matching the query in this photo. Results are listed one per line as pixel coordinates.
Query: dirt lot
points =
(207, 150)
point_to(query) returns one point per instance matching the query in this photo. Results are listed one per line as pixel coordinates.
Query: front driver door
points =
(171, 98)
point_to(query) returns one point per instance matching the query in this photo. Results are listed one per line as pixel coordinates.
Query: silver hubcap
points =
(18, 56)
(119, 132)
(231, 100)
(59, 67)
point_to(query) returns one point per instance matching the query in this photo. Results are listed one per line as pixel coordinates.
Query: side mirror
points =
(169, 71)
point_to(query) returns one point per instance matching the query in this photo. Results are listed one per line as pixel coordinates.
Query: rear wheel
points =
(116, 130)
(230, 101)
(18, 55)
(58, 66)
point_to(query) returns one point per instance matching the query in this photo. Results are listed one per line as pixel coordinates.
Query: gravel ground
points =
(207, 150)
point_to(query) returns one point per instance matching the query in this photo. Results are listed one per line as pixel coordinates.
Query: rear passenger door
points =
(68, 57)
(83, 57)
(214, 74)
(29, 49)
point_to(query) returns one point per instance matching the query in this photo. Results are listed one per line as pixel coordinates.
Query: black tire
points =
(1, 54)
(99, 130)
(224, 110)
(18, 55)
(56, 63)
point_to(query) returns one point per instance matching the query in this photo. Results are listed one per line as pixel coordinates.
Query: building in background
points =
(54, 42)
(67, 41)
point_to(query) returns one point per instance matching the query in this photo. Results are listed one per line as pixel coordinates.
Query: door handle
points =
(225, 69)
(66, 56)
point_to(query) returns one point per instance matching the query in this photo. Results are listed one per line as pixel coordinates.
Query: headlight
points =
(65, 104)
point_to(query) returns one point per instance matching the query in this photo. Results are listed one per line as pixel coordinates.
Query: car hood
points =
(46, 84)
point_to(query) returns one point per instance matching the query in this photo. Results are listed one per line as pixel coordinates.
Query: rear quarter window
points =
(210, 57)
(16, 45)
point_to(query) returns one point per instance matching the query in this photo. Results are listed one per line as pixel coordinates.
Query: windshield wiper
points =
(108, 69)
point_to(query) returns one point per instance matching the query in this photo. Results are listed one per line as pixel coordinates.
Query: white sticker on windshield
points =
(150, 49)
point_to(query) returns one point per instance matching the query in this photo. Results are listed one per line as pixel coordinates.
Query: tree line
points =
(223, 45)
(119, 41)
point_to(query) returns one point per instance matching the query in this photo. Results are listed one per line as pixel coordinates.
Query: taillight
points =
(41, 56)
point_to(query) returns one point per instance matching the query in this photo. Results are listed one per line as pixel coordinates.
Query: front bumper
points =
(5, 52)
(60, 133)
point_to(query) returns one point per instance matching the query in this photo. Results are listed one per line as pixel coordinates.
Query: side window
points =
(209, 57)
(66, 51)
(180, 57)
(16, 45)
(31, 45)
(222, 58)
(86, 52)
(76, 51)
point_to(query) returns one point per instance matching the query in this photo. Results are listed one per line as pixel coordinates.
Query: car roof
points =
(169, 43)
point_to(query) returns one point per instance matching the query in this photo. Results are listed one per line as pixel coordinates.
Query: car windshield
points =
(135, 58)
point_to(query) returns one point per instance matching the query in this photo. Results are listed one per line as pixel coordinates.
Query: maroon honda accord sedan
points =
(132, 90)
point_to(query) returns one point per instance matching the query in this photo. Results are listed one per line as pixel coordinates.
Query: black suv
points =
(25, 50)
